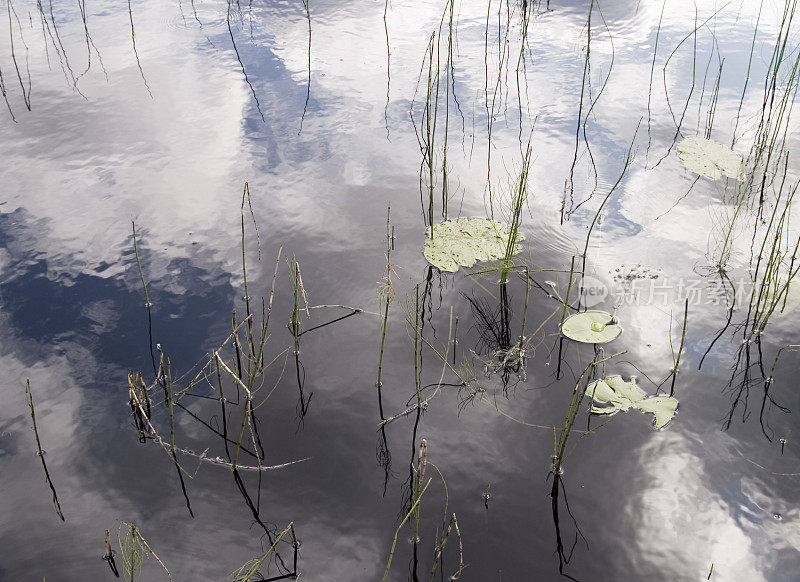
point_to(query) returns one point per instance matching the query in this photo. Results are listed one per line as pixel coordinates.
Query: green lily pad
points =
(710, 159)
(590, 327)
(612, 394)
(466, 240)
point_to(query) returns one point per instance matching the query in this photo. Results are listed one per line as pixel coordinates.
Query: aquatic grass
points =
(135, 50)
(248, 571)
(762, 203)
(426, 127)
(449, 84)
(413, 516)
(583, 120)
(388, 67)
(447, 528)
(165, 376)
(417, 478)
(147, 303)
(747, 74)
(39, 451)
(780, 88)
(774, 265)
(134, 549)
(623, 173)
(566, 301)
(295, 326)
(135, 387)
(519, 196)
(413, 314)
(677, 357)
(767, 396)
(499, 97)
(26, 92)
(712, 107)
(560, 452)
(409, 514)
(650, 85)
(451, 526)
(308, 65)
(386, 296)
(241, 63)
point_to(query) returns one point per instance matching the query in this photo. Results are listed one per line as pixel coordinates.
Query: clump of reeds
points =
(419, 485)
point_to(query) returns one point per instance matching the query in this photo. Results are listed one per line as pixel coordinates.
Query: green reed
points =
(134, 549)
(560, 452)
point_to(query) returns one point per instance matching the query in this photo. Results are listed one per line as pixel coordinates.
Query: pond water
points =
(331, 117)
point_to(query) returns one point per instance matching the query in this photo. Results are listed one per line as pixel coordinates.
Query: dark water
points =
(170, 146)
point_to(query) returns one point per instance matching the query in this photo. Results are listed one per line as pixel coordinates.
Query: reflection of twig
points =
(40, 452)
(136, 52)
(248, 570)
(239, 58)
(109, 555)
(26, 94)
(308, 83)
(564, 558)
(153, 434)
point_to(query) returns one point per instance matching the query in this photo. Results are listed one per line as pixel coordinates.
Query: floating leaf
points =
(710, 159)
(663, 407)
(613, 394)
(466, 240)
(591, 327)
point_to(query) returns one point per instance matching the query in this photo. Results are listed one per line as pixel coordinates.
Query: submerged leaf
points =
(710, 159)
(466, 240)
(591, 327)
(613, 394)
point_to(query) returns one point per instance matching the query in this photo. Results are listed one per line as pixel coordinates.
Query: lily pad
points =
(612, 394)
(591, 327)
(466, 240)
(710, 159)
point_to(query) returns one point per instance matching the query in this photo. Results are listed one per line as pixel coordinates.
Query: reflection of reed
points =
(295, 326)
(241, 64)
(308, 82)
(135, 50)
(561, 453)
(40, 453)
(386, 296)
(248, 571)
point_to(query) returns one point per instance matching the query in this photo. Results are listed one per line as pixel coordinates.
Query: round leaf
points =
(591, 327)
